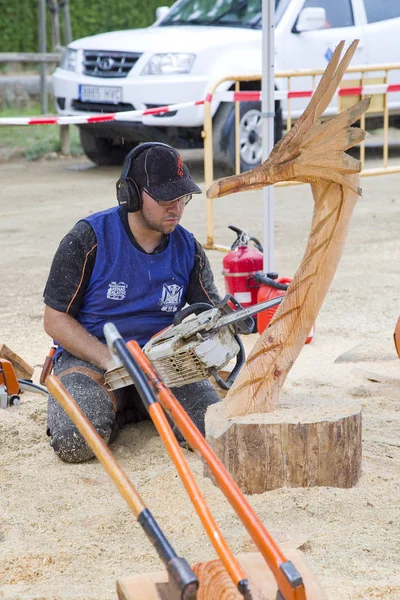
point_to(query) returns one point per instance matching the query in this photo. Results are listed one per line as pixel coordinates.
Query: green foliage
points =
(19, 20)
(18, 26)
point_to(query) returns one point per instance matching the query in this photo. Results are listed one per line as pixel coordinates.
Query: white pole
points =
(42, 50)
(268, 113)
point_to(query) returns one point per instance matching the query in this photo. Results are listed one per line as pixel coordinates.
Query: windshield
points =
(228, 13)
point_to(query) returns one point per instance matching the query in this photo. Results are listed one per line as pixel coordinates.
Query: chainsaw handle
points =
(193, 309)
(263, 278)
(27, 385)
(200, 307)
(240, 359)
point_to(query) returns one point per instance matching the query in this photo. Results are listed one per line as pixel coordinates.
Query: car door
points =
(314, 49)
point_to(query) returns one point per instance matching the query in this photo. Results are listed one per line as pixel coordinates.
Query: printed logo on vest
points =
(171, 297)
(116, 291)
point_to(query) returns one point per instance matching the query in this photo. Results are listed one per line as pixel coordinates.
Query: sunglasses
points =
(182, 201)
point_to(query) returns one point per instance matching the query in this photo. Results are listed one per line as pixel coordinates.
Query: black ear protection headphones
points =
(128, 191)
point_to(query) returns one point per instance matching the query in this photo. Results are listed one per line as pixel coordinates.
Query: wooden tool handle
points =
(47, 367)
(97, 444)
(396, 336)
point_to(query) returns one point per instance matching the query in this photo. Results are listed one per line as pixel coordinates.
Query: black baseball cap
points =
(161, 172)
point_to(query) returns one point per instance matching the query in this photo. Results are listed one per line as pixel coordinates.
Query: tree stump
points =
(306, 441)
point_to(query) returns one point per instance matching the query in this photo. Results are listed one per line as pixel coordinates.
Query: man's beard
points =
(161, 225)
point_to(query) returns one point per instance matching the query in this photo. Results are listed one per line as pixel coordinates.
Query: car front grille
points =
(172, 113)
(101, 107)
(98, 63)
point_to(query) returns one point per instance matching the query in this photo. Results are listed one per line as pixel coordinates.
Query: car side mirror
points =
(311, 19)
(161, 11)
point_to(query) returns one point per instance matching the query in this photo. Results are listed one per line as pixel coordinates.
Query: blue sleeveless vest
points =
(138, 292)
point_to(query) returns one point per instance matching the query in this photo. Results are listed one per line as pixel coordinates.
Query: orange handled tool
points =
(183, 583)
(160, 421)
(48, 365)
(9, 384)
(289, 581)
(396, 336)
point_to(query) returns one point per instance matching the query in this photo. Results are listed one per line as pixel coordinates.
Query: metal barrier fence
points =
(41, 58)
(351, 90)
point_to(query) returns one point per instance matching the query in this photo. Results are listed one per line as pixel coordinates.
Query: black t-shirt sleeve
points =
(201, 283)
(71, 269)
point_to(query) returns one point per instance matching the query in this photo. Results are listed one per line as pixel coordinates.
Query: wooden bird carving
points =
(313, 152)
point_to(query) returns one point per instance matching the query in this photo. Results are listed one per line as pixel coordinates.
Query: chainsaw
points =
(196, 348)
(11, 387)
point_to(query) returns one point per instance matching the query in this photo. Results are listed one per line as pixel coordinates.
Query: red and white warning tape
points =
(245, 96)
(366, 90)
(128, 115)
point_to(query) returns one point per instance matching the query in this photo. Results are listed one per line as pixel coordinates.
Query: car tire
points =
(250, 134)
(101, 150)
(221, 154)
(395, 122)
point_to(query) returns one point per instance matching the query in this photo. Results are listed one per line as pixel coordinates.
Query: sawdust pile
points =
(66, 534)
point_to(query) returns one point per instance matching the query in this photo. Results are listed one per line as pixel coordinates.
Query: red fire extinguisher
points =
(239, 267)
(246, 281)
(271, 287)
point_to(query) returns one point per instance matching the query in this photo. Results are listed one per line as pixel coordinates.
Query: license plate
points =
(97, 93)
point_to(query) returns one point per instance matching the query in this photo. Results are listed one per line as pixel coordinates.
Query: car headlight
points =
(169, 64)
(68, 61)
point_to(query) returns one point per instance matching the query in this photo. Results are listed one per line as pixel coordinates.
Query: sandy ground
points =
(66, 534)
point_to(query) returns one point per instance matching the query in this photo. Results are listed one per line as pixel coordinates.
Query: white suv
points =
(200, 41)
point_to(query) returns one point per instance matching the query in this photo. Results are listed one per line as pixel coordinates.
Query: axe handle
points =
(267, 546)
(225, 554)
(396, 336)
(114, 470)
(160, 421)
(97, 444)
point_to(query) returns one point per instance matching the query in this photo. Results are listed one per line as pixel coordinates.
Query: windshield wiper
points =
(188, 22)
(238, 7)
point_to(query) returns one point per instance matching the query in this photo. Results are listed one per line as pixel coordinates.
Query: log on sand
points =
(22, 369)
(215, 583)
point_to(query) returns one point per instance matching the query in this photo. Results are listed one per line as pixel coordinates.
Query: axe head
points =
(182, 583)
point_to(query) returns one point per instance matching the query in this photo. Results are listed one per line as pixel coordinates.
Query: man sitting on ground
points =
(134, 266)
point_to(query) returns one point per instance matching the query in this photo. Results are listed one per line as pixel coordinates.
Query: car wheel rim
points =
(250, 137)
